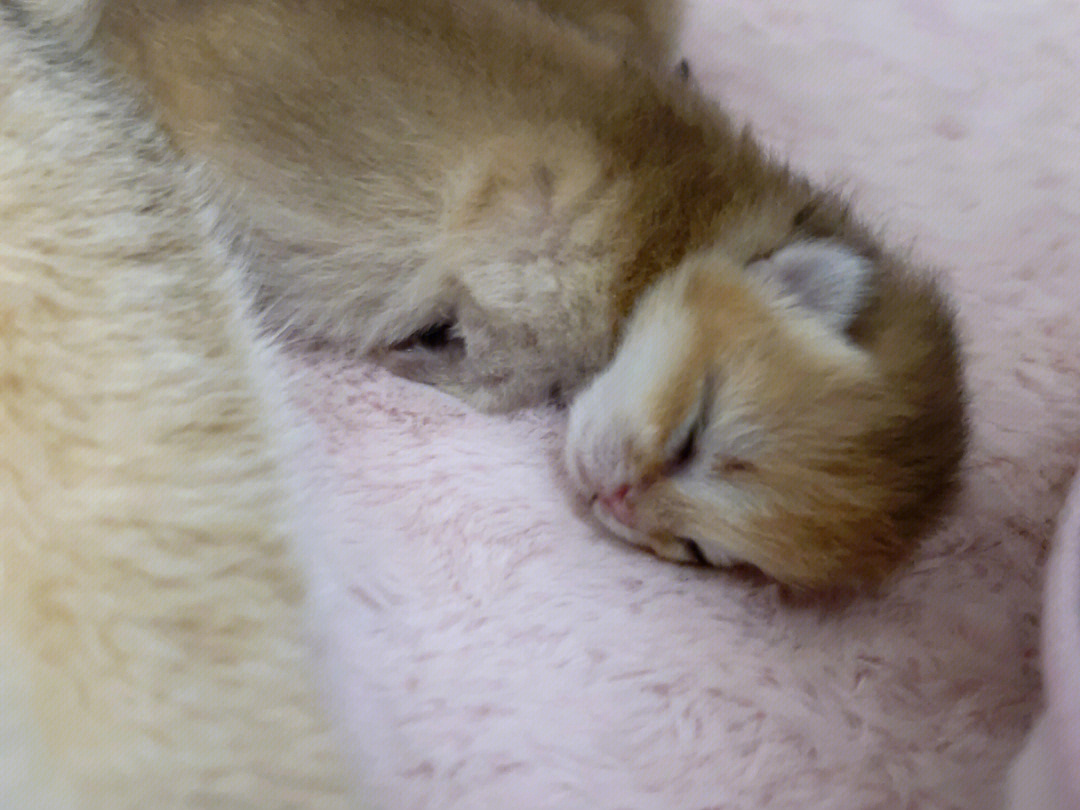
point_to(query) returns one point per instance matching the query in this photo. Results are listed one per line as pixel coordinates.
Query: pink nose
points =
(618, 504)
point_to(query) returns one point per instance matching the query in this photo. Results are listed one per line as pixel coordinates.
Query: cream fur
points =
(150, 643)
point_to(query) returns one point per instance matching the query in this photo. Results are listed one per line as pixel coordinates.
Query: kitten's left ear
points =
(826, 278)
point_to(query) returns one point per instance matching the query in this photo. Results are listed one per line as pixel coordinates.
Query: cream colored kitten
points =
(490, 200)
(150, 636)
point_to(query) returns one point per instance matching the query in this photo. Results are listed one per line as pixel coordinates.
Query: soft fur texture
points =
(150, 600)
(73, 21)
(438, 130)
(525, 194)
(518, 658)
(647, 29)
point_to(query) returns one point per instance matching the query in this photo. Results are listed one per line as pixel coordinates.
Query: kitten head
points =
(739, 423)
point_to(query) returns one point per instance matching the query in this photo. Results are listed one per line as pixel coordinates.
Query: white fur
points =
(25, 779)
(150, 606)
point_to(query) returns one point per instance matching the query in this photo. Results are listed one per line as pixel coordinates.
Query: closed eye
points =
(683, 444)
(680, 455)
(733, 466)
(435, 337)
(688, 449)
(694, 551)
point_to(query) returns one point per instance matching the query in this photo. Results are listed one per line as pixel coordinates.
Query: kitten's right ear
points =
(826, 278)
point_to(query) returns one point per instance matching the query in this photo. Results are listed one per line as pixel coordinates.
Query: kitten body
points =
(488, 199)
(151, 653)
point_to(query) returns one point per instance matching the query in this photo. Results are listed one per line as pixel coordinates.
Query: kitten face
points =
(736, 421)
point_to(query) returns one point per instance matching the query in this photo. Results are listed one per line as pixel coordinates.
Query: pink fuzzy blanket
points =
(491, 648)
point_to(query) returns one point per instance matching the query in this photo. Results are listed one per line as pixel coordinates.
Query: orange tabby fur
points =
(844, 436)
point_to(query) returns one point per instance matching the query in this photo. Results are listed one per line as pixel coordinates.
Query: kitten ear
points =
(826, 278)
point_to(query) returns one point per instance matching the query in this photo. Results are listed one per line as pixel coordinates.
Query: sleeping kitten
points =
(150, 606)
(489, 200)
(787, 413)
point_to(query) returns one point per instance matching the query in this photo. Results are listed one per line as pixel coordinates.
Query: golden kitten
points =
(150, 636)
(493, 200)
